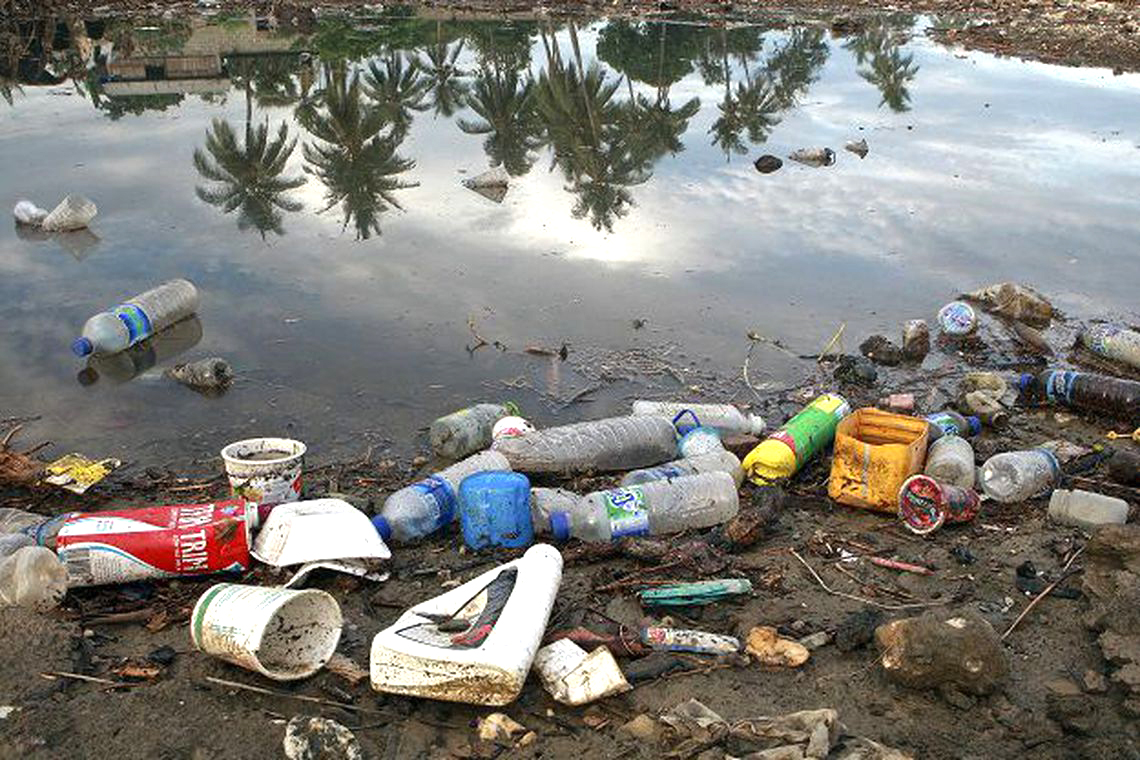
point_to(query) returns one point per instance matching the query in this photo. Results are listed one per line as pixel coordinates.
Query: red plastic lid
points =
(922, 506)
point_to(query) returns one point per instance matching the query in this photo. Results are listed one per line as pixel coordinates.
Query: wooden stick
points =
(906, 567)
(51, 675)
(134, 616)
(1048, 589)
(860, 599)
(286, 695)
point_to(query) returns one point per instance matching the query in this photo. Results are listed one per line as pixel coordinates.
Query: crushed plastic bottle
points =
(1019, 475)
(656, 507)
(726, 418)
(1083, 390)
(423, 508)
(1086, 510)
(142, 316)
(32, 577)
(716, 461)
(615, 443)
(74, 212)
(784, 452)
(466, 431)
(816, 157)
(949, 422)
(1115, 343)
(950, 460)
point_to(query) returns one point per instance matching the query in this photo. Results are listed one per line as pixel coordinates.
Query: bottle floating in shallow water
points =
(142, 316)
(800, 439)
(1084, 390)
(466, 431)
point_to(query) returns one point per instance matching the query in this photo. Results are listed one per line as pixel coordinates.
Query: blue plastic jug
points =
(494, 510)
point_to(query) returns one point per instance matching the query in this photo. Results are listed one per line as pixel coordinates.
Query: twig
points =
(831, 343)
(1048, 589)
(53, 674)
(286, 695)
(196, 487)
(861, 599)
(134, 616)
(744, 369)
(906, 567)
(480, 341)
(7, 438)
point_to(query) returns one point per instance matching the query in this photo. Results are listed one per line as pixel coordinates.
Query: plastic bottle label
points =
(1059, 385)
(813, 428)
(135, 319)
(441, 492)
(625, 508)
(945, 423)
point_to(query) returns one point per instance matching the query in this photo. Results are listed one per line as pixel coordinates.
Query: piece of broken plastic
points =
(574, 677)
(29, 213)
(328, 533)
(690, 594)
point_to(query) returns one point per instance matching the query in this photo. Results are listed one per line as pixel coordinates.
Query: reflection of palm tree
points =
(356, 162)
(446, 85)
(881, 63)
(657, 127)
(399, 88)
(248, 176)
(505, 106)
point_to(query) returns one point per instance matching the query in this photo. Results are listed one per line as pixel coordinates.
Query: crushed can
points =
(121, 546)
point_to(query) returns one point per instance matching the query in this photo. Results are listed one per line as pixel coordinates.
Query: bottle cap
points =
(81, 347)
(756, 422)
(382, 527)
(560, 526)
(975, 425)
(1024, 382)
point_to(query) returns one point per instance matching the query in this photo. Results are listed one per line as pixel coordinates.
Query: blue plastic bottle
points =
(494, 510)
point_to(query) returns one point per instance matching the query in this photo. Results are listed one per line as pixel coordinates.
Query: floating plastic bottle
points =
(142, 316)
(546, 501)
(1086, 510)
(949, 422)
(1019, 475)
(660, 506)
(466, 431)
(616, 443)
(1084, 390)
(801, 438)
(950, 460)
(717, 461)
(724, 417)
(160, 348)
(423, 508)
(32, 577)
(1114, 343)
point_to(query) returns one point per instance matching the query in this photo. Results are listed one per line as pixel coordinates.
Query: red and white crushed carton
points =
(120, 546)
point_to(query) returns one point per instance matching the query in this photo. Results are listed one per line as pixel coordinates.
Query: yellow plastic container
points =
(784, 452)
(875, 451)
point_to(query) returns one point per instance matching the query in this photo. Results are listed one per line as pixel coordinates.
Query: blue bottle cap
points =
(560, 526)
(81, 347)
(975, 425)
(382, 527)
(1024, 382)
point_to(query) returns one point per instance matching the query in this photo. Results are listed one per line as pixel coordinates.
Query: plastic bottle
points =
(466, 431)
(144, 355)
(546, 501)
(1114, 343)
(1019, 475)
(494, 510)
(1086, 510)
(1084, 390)
(121, 327)
(32, 577)
(724, 417)
(699, 441)
(660, 506)
(951, 460)
(42, 529)
(949, 422)
(717, 461)
(616, 443)
(423, 508)
(801, 438)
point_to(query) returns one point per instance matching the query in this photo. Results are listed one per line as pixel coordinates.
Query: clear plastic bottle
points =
(1085, 390)
(546, 501)
(42, 529)
(950, 460)
(1114, 343)
(32, 577)
(717, 461)
(615, 443)
(128, 323)
(1019, 475)
(466, 431)
(660, 506)
(724, 417)
(1086, 510)
(949, 422)
(423, 508)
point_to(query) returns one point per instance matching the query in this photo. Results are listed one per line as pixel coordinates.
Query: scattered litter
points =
(211, 375)
(77, 473)
(310, 738)
(858, 147)
(769, 648)
(32, 576)
(1009, 299)
(957, 319)
(499, 728)
(692, 594)
(29, 213)
(926, 652)
(813, 156)
(681, 640)
(574, 677)
(265, 470)
(117, 329)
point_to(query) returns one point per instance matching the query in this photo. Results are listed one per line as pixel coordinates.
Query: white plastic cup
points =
(283, 634)
(270, 481)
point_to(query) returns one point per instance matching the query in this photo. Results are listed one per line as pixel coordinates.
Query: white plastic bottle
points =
(423, 508)
(32, 577)
(660, 506)
(724, 417)
(717, 461)
(466, 431)
(1086, 510)
(950, 460)
(128, 323)
(615, 443)
(546, 501)
(1019, 475)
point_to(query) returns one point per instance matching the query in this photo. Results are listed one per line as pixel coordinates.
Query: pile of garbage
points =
(674, 469)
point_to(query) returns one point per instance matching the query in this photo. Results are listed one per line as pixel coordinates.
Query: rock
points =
(855, 370)
(858, 147)
(816, 640)
(1094, 682)
(1062, 687)
(915, 340)
(643, 728)
(881, 351)
(1124, 467)
(956, 698)
(308, 738)
(929, 651)
(1076, 714)
(212, 375)
(769, 649)
(767, 164)
(858, 629)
